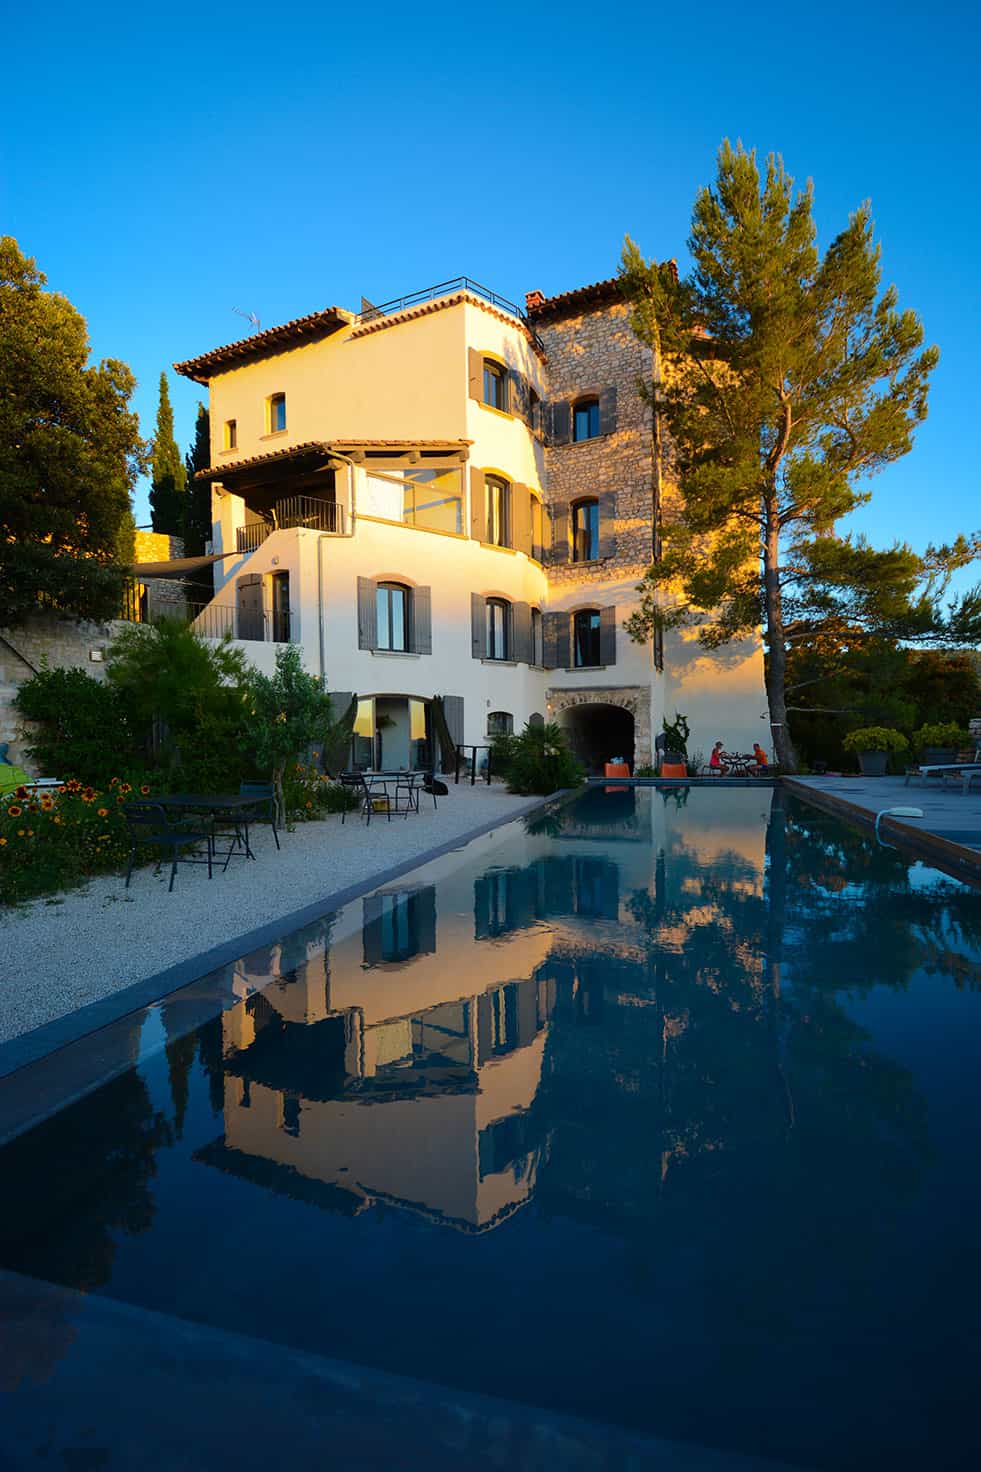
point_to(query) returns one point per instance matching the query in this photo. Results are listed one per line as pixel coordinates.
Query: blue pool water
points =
(661, 1110)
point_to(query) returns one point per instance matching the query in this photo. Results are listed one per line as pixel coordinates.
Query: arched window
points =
(497, 494)
(537, 637)
(585, 530)
(586, 419)
(586, 638)
(500, 723)
(498, 629)
(496, 386)
(393, 616)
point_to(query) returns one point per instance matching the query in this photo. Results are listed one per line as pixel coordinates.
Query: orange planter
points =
(674, 769)
(616, 769)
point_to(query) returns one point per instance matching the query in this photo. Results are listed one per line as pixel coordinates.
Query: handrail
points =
(443, 288)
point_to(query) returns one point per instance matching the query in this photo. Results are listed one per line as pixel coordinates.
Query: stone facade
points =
(634, 699)
(61, 643)
(589, 353)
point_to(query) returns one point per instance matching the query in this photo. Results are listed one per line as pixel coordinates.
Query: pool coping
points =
(955, 859)
(61, 1032)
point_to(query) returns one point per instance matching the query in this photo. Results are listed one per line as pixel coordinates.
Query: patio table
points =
(409, 782)
(216, 804)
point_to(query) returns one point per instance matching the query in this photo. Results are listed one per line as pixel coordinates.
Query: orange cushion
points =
(674, 769)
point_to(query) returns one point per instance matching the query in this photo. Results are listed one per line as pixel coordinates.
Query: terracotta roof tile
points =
(599, 293)
(274, 340)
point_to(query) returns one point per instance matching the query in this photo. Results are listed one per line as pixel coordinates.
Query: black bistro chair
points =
(264, 806)
(148, 824)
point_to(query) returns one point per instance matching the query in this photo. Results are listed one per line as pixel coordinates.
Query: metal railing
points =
(305, 512)
(221, 620)
(443, 288)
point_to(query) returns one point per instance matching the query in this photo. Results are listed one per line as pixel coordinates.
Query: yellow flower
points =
(3, 843)
(57, 818)
(126, 787)
(30, 832)
(14, 811)
(20, 833)
(103, 812)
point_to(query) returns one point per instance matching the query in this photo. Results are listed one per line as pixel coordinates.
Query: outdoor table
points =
(216, 804)
(412, 782)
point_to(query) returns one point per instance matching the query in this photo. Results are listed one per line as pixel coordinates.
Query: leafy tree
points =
(536, 761)
(168, 477)
(197, 506)
(288, 712)
(70, 451)
(783, 379)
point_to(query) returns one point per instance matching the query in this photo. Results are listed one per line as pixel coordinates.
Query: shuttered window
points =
(586, 638)
(585, 530)
(500, 723)
(498, 629)
(586, 420)
(392, 617)
(497, 497)
(495, 385)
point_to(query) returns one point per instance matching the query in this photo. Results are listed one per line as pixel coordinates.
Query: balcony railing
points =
(221, 620)
(444, 288)
(293, 511)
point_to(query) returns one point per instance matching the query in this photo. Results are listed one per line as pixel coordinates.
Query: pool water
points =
(660, 1109)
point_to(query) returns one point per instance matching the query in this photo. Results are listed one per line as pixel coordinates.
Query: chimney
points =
(533, 300)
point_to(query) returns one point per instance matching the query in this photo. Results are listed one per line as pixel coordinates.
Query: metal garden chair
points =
(148, 824)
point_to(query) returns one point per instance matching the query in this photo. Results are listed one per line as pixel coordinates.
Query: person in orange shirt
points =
(759, 754)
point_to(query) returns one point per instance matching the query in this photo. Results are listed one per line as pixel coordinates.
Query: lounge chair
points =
(939, 771)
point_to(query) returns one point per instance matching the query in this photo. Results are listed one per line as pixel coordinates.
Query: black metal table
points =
(227, 804)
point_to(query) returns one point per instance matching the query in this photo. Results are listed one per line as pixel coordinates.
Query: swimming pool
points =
(658, 1109)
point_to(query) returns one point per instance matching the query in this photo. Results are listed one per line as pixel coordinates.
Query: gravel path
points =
(58, 954)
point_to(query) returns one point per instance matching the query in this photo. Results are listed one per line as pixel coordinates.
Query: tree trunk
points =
(776, 664)
(280, 801)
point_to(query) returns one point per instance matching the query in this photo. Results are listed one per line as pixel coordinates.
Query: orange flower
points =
(20, 833)
(73, 785)
(88, 794)
(62, 788)
(145, 790)
(126, 787)
(309, 804)
(120, 800)
(103, 812)
(30, 832)
(113, 781)
(14, 811)
(20, 792)
(3, 843)
(47, 804)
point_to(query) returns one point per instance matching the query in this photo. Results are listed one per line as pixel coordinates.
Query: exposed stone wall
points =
(635, 699)
(586, 354)
(156, 546)
(60, 642)
(166, 597)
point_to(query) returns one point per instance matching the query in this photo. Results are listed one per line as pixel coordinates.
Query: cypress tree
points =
(197, 507)
(167, 473)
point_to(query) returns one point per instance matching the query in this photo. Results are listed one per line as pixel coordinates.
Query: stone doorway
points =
(604, 722)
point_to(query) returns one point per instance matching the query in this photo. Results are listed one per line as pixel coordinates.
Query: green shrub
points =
(677, 732)
(646, 771)
(82, 726)
(309, 794)
(875, 738)
(940, 733)
(537, 761)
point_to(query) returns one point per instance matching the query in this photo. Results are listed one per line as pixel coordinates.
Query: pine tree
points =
(168, 476)
(197, 507)
(70, 451)
(783, 379)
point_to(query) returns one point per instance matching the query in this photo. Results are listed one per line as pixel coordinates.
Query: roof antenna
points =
(249, 317)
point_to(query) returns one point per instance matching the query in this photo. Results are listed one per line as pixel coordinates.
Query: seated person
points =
(759, 754)
(715, 760)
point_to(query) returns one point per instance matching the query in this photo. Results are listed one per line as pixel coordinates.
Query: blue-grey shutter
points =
(557, 641)
(422, 620)
(608, 635)
(559, 417)
(248, 598)
(521, 632)
(608, 410)
(453, 713)
(520, 517)
(518, 394)
(478, 625)
(478, 506)
(367, 613)
(560, 533)
(343, 712)
(607, 509)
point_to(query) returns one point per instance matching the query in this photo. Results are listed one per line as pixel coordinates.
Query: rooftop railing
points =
(444, 288)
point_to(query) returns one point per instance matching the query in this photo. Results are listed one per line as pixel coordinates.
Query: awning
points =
(178, 567)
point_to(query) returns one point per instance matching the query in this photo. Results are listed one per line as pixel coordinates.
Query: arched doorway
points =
(598, 733)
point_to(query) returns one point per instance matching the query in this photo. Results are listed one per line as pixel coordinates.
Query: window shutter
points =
(251, 616)
(560, 533)
(453, 714)
(557, 641)
(517, 395)
(520, 518)
(475, 369)
(422, 620)
(608, 410)
(481, 907)
(608, 635)
(367, 613)
(478, 507)
(607, 524)
(559, 423)
(371, 939)
(521, 632)
(478, 625)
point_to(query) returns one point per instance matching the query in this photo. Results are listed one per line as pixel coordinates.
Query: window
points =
(500, 723)
(231, 434)
(498, 629)
(281, 607)
(392, 602)
(585, 531)
(586, 420)
(277, 414)
(586, 638)
(434, 499)
(537, 637)
(498, 499)
(495, 385)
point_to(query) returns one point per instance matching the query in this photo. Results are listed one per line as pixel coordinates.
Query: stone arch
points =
(634, 700)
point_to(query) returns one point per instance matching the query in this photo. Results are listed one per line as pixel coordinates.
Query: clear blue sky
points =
(167, 164)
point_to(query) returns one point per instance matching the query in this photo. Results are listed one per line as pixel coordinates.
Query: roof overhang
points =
(315, 454)
(298, 333)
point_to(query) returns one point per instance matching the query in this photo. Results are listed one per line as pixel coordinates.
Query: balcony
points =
(221, 620)
(304, 512)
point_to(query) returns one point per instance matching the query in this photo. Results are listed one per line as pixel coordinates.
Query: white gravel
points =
(58, 954)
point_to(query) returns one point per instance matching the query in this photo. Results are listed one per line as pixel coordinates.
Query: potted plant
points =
(872, 745)
(939, 741)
